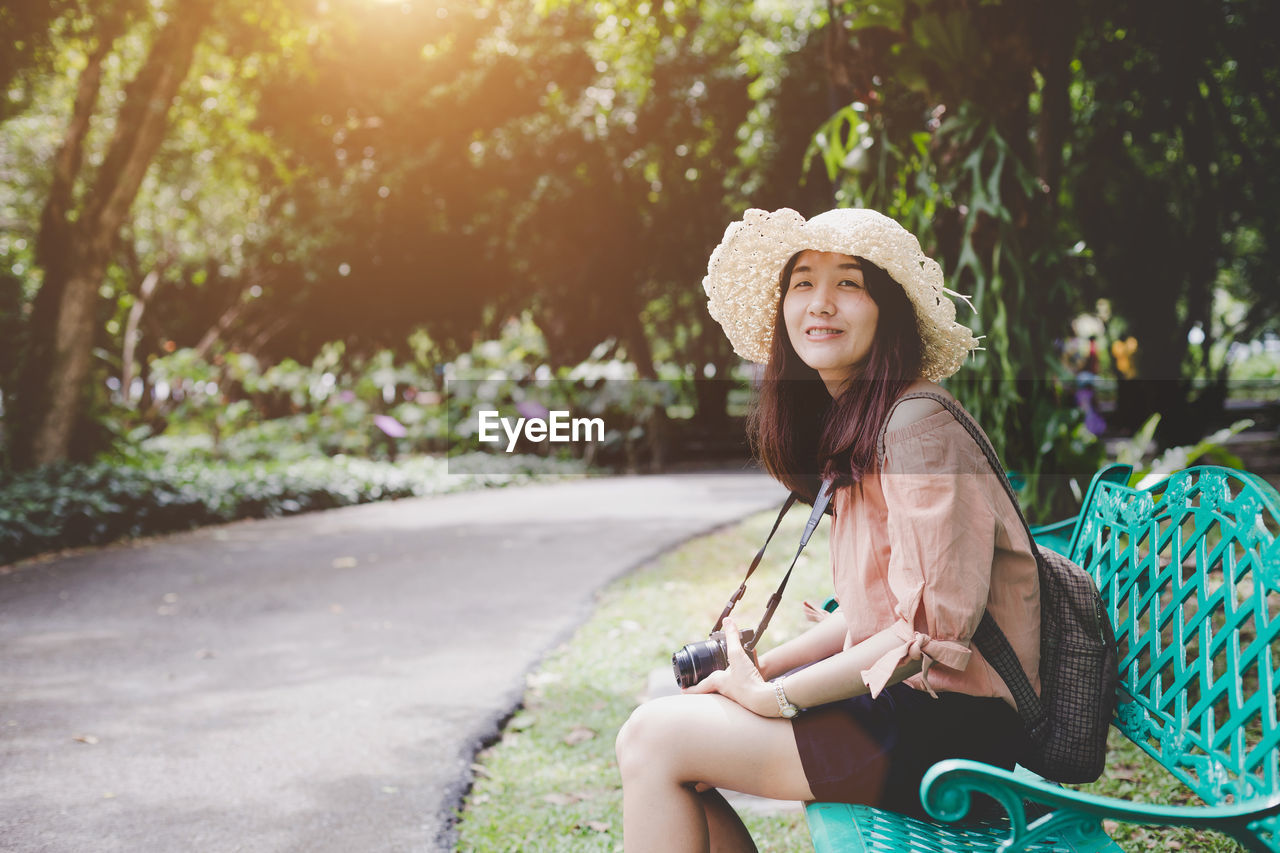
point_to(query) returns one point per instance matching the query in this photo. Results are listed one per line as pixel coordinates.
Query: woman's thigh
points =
(707, 738)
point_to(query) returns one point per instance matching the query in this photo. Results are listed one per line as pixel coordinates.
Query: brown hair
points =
(800, 433)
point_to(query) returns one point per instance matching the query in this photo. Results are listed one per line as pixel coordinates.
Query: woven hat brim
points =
(743, 278)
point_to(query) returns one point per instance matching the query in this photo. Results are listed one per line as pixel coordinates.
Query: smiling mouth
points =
(822, 333)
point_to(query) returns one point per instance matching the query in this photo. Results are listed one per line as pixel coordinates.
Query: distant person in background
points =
(1086, 392)
(1091, 358)
(1122, 356)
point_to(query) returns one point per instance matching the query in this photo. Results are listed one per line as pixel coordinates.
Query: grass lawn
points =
(550, 783)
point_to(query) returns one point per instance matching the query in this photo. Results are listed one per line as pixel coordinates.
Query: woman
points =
(849, 315)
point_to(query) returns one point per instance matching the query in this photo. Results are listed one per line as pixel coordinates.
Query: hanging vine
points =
(957, 173)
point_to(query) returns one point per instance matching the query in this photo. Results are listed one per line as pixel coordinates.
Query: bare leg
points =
(725, 829)
(671, 743)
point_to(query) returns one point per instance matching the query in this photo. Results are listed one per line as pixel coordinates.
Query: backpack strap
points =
(988, 637)
(979, 437)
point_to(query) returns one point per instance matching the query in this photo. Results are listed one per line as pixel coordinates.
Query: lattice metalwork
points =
(1190, 570)
(862, 829)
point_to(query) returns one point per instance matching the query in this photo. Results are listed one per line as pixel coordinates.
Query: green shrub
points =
(74, 505)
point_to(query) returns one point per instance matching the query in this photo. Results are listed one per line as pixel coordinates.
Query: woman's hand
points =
(813, 612)
(741, 681)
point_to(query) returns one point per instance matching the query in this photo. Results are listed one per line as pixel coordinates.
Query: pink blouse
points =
(921, 547)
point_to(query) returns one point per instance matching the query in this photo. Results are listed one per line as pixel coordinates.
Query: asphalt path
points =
(315, 683)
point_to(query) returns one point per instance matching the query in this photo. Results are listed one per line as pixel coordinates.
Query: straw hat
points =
(742, 281)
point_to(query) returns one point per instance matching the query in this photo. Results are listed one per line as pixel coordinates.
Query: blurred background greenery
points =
(247, 237)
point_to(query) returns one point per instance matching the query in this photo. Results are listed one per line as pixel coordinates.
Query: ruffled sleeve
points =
(942, 536)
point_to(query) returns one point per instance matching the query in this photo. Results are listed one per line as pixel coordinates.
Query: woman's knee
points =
(645, 737)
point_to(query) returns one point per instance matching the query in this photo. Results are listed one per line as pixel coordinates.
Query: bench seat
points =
(862, 829)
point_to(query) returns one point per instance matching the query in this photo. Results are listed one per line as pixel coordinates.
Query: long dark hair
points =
(800, 433)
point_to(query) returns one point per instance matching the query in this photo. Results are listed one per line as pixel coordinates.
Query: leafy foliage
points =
(1150, 469)
(74, 505)
(577, 162)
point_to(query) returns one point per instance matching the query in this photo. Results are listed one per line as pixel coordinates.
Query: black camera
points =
(698, 660)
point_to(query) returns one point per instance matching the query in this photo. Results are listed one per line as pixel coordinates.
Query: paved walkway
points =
(316, 683)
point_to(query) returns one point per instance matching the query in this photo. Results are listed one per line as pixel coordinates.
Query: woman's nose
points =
(820, 302)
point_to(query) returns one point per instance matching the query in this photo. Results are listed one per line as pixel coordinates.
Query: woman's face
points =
(831, 318)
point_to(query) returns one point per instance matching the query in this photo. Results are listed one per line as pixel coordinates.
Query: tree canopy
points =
(269, 177)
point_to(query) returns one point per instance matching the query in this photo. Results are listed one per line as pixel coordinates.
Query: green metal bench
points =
(1059, 535)
(1190, 571)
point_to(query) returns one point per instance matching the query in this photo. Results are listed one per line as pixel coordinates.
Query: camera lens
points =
(698, 660)
(683, 666)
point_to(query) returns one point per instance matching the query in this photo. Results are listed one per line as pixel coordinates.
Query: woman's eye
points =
(800, 284)
(852, 283)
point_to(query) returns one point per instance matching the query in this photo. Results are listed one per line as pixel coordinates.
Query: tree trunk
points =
(54, 221)
(75, 251)
(132, 331)
(656, 431)
(70, 358)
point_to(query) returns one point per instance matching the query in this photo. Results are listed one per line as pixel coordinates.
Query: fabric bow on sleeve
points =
(915, 646)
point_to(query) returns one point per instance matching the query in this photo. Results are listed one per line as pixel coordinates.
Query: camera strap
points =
(819, 507)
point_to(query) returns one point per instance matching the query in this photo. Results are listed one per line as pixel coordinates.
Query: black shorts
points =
(876, 751)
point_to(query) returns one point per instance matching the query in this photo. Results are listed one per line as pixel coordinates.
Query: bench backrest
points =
(1190, 572)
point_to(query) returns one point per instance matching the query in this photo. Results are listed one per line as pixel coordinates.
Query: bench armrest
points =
(947, 787)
